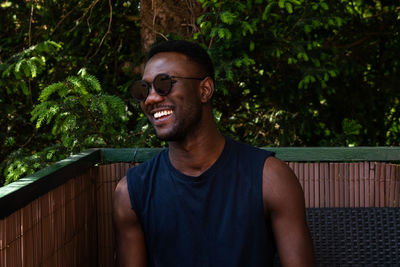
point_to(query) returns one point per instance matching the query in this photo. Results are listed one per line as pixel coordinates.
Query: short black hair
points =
(192, 50)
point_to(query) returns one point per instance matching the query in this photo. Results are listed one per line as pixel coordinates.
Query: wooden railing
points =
(61, 215)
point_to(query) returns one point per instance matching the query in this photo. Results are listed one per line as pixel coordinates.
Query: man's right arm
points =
(130, 239)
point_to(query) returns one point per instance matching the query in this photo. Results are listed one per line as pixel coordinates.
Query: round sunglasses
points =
(162, 85)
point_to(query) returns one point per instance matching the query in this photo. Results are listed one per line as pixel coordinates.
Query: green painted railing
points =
(16, 195)
(299, 154)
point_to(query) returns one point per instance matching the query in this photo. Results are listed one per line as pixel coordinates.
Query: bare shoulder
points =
(283, 200)
(121, 186)
(121, 192)
(122, 210)
(280, 185)
(274, 168)
(131, 248)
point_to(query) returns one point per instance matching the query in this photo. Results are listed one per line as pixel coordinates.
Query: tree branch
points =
(212, 38)
(62, 19)
(108, 30)
(30, 26)
(89, 8)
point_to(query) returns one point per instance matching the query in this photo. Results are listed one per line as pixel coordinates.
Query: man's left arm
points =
(283, 201)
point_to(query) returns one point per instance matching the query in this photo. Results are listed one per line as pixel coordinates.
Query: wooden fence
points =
(361, 184)
(62, 216)
(56, 229)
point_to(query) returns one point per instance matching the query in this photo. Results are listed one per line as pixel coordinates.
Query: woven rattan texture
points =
(355, 236)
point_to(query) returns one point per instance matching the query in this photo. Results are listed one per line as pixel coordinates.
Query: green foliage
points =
(38, 49)
(81, 115)
(21, 68)
(289, 72)
(21, 75)
(22, 163)
(305, 72)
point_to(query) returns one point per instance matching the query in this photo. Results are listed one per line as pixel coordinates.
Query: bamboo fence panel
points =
(108, 177)
(56, 229)
(364, 185)
(306, 178)
(325, 174)
(396, 171)
(335, 184)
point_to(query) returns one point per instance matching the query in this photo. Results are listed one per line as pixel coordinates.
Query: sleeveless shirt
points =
(215, 219)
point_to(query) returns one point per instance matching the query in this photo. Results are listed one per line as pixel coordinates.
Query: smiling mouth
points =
(163, 113)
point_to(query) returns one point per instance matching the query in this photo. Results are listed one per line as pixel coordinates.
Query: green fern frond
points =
(21, 162)
(59, 87)
(47, 47)
(82, 72)
(53, 111)
(39, 113)
(103, 107)
(78, 85)
(93, 82)
(64, 123)
(17, 68)
(52, 44)
(44, 112)
(116, 103)
(39, 61)
(108, 104)
(31, 69)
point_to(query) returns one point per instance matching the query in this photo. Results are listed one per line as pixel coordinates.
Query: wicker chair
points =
(355, 236)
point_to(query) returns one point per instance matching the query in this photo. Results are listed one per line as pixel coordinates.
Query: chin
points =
(177, 131)
(170, 136)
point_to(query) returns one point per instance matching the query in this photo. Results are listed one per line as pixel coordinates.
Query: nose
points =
(153, 97)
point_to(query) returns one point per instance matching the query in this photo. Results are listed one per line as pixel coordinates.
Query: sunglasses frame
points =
(161, 93)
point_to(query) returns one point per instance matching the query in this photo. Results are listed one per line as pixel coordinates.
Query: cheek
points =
(191, 97)
(145, 108)
(186, 104)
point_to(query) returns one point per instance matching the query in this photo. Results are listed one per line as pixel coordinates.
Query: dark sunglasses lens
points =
(162, 84)
(139, 90)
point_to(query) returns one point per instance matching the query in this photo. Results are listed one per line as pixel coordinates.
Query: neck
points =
(198, 151)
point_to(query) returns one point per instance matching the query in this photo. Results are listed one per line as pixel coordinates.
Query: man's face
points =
(177, 114)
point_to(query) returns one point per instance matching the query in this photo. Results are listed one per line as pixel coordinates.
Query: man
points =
(206, 200)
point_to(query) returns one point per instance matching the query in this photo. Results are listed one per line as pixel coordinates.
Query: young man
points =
(207, 200)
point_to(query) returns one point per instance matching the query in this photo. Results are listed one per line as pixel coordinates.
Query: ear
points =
(206, 89)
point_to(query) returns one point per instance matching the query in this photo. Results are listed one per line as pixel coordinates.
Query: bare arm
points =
(284, 204)
(130, 238)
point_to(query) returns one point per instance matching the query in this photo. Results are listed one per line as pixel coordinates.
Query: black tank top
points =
(215, 219)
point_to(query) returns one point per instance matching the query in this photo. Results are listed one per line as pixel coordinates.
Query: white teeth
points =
(159, 114)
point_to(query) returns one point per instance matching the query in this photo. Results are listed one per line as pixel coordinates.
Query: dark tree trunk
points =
(162, 17)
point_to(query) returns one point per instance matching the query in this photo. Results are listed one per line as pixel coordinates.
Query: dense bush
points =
(295, 72)
(289, 72)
